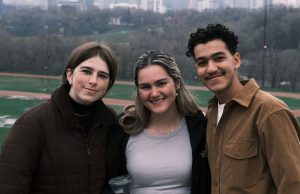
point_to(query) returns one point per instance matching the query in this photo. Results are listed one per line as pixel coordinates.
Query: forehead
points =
(152, 73)
(209, 48)
(95, 63)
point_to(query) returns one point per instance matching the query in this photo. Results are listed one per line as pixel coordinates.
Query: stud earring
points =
(177, 90)
(70, 82)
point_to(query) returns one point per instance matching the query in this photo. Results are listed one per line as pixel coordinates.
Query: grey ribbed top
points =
(160, 164)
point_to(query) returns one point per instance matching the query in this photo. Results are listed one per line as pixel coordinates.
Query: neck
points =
(164, 123)
(229, 93)
(80, 109)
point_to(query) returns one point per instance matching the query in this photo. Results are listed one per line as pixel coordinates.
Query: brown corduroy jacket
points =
(255, 147)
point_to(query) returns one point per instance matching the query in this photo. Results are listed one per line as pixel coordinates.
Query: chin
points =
(215, 87)
(158, 111)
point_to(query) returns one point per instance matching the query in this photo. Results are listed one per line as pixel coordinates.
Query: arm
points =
(19, 156)
(282, 147)
(115, 156)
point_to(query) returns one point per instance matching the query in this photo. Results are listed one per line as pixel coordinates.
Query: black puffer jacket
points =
(116, 159)
(47, 152)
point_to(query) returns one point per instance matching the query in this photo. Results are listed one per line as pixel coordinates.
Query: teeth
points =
(213, 76)
(157, 101)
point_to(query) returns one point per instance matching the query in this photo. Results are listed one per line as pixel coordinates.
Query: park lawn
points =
(3, 134)
(291, 102)
(38, 85)
(42, 85)
(124, 92)
(12, 108)
(202, 96)
(118, 91)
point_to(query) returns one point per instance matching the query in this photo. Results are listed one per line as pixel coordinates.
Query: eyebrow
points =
(213, 55)
(157, 81)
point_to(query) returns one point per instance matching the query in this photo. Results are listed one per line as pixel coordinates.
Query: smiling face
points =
(89, 80)
(217, 68)
(156, 89)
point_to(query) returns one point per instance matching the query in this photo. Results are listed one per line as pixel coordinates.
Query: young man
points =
(252, 137)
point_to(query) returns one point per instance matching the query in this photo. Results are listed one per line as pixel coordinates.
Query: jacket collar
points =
(60, 98)
(196, 125)
(245, 96)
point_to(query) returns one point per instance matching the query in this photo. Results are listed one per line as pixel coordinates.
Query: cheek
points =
(104, 84)
(200, 72)
(79, 80)
(143, 95)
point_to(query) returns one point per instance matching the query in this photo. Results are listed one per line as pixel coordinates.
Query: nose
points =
(93, 79)
(211, 67)
(154, 92)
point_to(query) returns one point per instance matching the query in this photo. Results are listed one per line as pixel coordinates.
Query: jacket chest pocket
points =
(241, 164)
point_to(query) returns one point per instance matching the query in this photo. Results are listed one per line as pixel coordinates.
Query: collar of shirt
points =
(245, 96)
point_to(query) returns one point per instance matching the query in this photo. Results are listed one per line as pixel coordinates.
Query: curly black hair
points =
(212, 32)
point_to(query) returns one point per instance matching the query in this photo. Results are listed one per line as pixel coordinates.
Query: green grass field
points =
(37, 85)
(291, 102)
(12, 108)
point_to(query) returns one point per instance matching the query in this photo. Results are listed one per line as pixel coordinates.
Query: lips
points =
(91, 90)
(157, 101)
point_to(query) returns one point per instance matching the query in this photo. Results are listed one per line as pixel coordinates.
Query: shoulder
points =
(272, 111)
(38, 112)
(34, 119)
(27, 128)
(105, 113)
(197, 118)
(269, 99)
(117, 131)
(196, 123)
(268, 103)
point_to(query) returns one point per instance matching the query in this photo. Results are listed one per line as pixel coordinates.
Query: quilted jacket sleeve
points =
(19, 156)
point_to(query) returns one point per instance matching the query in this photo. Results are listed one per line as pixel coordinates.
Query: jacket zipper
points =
(88, 152)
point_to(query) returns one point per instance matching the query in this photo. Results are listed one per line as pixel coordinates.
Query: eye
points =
(201, 63)
(103, 76)
(144, 87)
(86, 71)
(161, 83)
(219, 58)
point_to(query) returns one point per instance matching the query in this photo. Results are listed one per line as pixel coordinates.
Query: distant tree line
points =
(38, 41)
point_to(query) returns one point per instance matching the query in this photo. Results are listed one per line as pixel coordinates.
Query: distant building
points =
(247, 4)
(102, 4)
(71, 4)
(290, 3)
(87, 4)
(159, 6)
(175, 5)
(156, 6)
(123, 5)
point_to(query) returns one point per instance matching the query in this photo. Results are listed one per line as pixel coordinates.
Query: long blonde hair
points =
(136, 117)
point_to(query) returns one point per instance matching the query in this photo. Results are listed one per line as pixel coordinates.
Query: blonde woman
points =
(161, 141)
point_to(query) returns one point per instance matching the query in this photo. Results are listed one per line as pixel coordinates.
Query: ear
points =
(177, 85)
(69, 74)
(237, 60)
